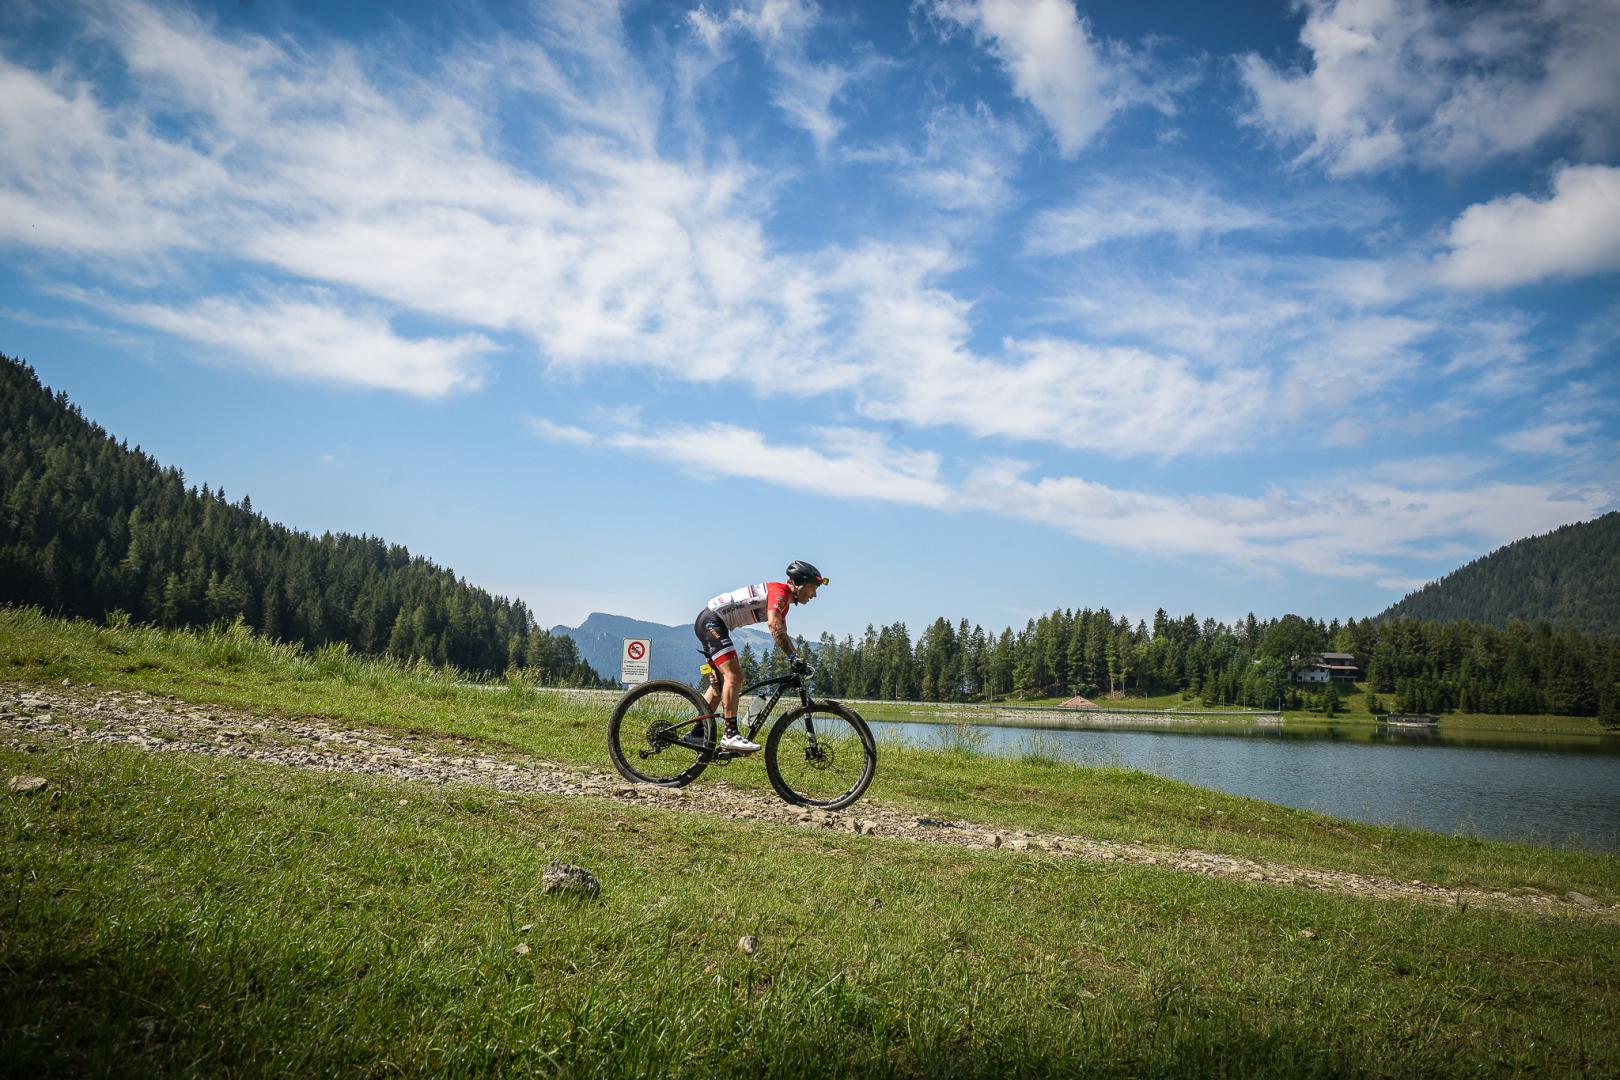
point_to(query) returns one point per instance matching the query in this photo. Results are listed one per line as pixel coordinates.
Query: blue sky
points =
(984, 306)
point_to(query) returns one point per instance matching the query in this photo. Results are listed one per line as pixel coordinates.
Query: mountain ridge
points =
(1570, 577)
(673, 654)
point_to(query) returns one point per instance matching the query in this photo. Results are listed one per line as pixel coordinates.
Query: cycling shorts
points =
(713, 637)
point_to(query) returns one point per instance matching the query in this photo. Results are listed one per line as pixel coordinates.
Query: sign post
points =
(635, 661)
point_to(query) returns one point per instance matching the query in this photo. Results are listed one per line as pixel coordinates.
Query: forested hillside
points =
(1570, 577)
(88, 525)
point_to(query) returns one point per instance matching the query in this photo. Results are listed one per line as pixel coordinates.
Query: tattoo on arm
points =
(779, 634)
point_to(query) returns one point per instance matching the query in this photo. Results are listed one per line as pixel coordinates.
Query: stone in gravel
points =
(1019, 844)
(1580, 899)
(27, 785)
(568, 879)
(749, 944)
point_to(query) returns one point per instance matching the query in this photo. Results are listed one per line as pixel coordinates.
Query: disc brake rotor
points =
(819, 756)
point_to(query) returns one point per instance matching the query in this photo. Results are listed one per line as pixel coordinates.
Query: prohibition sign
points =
(636, 650)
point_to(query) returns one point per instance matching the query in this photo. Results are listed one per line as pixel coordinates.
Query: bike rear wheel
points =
(820, 755)
(661, 733)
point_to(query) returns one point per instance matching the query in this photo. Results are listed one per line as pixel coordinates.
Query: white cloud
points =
(1051, 58)
(1353, 357)
(1449, 85)
(805, 89)
(1117, 401)
(1179, 202)
(1555, 439)
(1416, 509)
(313, 338)
(847, 463)
(83, 179)
(1116, 209)
(1303, 530)
(311, 166)
(1429, 470)
(967, 162)
(1517, 239)
(396, 192)
(552, 432)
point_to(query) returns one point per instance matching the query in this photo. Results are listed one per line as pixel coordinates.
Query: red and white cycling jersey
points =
(751, 603)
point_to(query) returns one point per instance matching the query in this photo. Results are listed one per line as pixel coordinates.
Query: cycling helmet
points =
(799, 572)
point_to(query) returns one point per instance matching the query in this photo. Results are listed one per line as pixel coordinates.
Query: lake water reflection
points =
(1557, 791)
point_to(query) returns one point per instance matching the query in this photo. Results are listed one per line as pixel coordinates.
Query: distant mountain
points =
(1570, 577)
(600, 639)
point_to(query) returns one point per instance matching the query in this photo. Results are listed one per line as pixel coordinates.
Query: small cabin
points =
(1330, 667)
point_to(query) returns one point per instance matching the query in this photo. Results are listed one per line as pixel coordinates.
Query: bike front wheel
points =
(820, 755)
(661, 733)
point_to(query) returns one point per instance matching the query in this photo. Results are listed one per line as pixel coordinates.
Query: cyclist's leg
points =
(731, 671)
(715, 641)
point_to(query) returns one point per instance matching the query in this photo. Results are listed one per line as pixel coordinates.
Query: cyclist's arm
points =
(776, 623)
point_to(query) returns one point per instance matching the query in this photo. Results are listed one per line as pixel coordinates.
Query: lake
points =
(1560, 792)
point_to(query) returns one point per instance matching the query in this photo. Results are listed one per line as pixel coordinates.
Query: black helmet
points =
(799, 572)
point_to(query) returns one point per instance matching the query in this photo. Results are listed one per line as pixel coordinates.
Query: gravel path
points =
(32, 717)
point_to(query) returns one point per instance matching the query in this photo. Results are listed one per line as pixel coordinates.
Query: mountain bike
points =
(818, 754)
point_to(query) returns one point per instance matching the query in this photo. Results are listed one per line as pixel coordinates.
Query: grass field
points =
(215, 917)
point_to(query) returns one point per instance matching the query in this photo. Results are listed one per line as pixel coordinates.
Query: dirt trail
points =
(32, 717)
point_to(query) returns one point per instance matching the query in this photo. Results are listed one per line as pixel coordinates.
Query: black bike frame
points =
(782, 683)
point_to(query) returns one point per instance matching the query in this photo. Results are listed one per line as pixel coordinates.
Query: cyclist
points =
(767, 601)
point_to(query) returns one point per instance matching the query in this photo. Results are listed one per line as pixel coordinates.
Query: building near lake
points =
(1330, 667)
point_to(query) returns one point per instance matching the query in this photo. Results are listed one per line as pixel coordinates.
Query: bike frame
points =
(781, 683)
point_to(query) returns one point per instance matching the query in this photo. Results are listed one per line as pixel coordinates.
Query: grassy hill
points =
(1570, 577)
(171, 913)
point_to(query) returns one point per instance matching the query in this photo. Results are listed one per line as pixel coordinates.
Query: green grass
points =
(172, 915)
(201, 916)
(1035, 791)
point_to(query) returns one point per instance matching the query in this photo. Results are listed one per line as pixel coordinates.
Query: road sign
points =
(635, 661)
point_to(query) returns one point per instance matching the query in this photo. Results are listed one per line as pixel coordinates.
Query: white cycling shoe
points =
(736, 743)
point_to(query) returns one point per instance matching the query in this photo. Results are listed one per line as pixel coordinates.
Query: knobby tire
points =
(651, 729)
(833, 772)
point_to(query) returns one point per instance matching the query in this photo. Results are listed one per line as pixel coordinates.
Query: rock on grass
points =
(570, 880)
